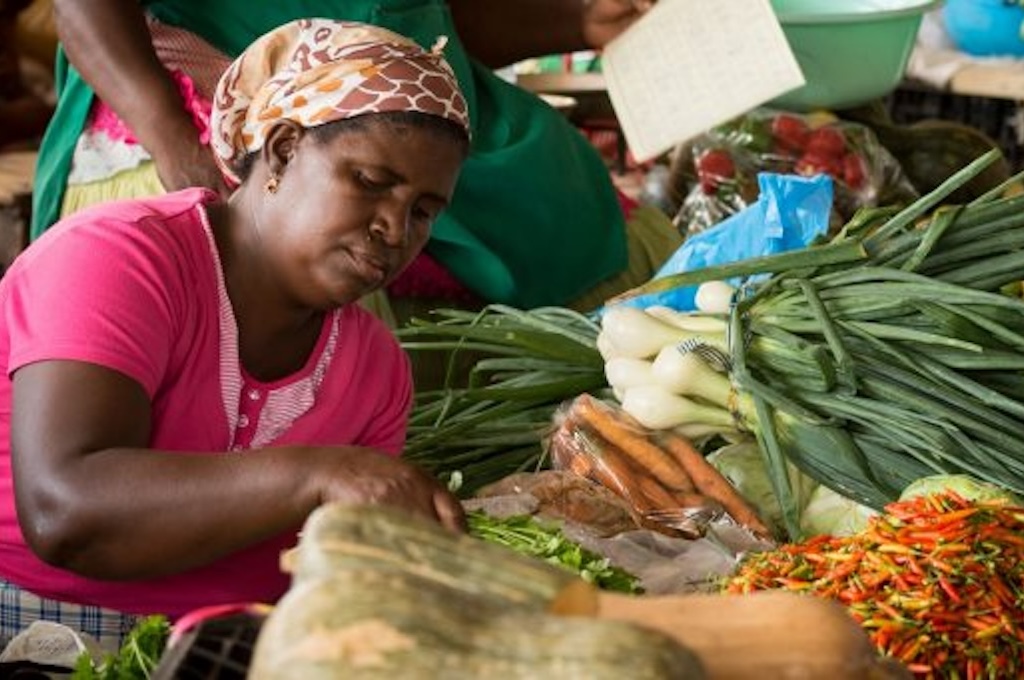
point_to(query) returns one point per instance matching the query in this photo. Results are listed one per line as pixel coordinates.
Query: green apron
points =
(534, 220)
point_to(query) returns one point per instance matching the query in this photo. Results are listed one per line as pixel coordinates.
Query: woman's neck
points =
(275, 335)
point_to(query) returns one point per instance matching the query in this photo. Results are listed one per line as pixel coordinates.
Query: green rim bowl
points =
(850, 51)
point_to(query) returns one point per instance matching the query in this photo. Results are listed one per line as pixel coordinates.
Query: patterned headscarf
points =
(314, 71)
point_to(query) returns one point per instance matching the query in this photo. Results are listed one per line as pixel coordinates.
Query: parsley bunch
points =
(137, 657)
(525, 535)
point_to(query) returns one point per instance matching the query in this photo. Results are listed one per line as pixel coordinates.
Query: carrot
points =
(658, 496)
(711, 482)
(590, 456)
(658, 508)
(614, 470)
(577, 448)
(632, 441)
(564, 451)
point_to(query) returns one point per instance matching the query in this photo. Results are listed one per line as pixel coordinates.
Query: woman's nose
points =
(391, 228)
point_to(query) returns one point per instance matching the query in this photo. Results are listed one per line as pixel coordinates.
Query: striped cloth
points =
(19, 608)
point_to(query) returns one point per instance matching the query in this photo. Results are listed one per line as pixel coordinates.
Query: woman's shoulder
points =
(159, 244)
(366, 347)
(357, 323)
(153, 227)
(165, 209)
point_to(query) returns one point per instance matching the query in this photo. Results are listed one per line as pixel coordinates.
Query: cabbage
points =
(829, 512)
(968, 487)
(742, 463)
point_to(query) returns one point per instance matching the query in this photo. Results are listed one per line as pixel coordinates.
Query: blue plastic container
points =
(985, 28)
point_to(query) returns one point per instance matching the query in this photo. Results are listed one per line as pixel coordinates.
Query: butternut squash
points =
(377, 593)
(368, 624)
(340, 538)
(762, 636)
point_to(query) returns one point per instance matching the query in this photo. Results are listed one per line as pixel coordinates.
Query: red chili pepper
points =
(1008, 537)
(952, 609)
(827, 141)
(947, 587)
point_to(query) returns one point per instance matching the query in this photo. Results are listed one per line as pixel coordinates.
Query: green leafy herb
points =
(137, 658)
(525, 535)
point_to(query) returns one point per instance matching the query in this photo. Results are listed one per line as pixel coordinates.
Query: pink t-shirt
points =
(137, 287)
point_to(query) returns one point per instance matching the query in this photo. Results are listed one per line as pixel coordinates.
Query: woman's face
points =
(352, 211)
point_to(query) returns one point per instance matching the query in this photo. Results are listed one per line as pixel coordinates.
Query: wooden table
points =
(996, 80)
(588, 89)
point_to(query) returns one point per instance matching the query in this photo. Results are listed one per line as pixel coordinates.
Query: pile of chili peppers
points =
(936, 581)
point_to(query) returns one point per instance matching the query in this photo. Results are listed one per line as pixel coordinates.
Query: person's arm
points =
(499, 33)
(108, 42)
(93, 499)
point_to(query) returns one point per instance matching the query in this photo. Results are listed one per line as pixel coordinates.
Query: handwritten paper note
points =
(688, 65)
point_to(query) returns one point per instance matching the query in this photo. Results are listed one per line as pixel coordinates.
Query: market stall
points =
(840, 433)
(797, 451)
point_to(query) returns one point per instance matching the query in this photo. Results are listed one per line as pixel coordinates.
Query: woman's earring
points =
(272, 184)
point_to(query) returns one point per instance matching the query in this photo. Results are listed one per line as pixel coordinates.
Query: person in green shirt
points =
(535, 219)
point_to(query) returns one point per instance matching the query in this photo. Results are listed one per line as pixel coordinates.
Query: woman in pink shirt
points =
(186, 378)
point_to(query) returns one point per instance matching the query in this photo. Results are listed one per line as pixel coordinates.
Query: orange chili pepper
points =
(889, 610)
(940, 565)
(953, 609)
(912, 649)
(978, 623)
(919, 668)
(944, 549)
(896, 548)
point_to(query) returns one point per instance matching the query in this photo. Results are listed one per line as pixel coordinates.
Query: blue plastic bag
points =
(790, 212)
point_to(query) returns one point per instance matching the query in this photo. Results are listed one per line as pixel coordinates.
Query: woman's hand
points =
(366, 476)
(499, 32)
(603, 20)
(188, 163)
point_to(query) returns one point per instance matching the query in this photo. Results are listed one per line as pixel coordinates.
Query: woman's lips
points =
(370, 267)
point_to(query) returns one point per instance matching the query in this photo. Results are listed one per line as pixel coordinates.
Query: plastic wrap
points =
(558, 494)
(715, 175)
(678, 494)
(665, 564)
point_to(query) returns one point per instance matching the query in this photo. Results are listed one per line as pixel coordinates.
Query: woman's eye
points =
(424, 216)
(371, 182)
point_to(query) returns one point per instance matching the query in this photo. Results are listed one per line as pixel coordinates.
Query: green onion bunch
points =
(892, 352)
(900, 363)
(507, 372)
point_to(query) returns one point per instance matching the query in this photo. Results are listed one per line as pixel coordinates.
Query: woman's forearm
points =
(137, 513)
(109, 43)
(499, 32)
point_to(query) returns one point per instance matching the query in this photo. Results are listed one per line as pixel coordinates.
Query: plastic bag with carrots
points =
(715, 175)
(666, 481)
